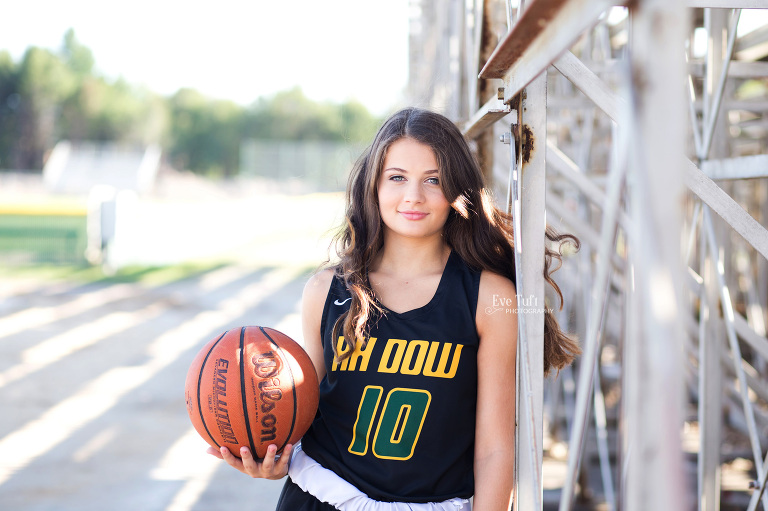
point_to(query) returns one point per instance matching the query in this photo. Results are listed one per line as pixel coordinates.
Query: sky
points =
(237, 49)
(231, 49)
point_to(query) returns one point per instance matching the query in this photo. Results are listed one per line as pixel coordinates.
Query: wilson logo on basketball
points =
(266, 366)
(219, 404)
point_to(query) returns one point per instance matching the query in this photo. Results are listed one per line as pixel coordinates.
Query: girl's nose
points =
(414, 192)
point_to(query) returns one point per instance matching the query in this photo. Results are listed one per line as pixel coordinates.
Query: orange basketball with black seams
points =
(252, 386)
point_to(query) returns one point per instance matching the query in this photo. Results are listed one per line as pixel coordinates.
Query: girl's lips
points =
(413, 215)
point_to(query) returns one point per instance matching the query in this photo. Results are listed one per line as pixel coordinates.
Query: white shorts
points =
(328, 487)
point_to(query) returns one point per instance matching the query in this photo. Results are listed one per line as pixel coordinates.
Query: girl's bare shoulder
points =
(316, 288)
(491, 282)
(496, 303)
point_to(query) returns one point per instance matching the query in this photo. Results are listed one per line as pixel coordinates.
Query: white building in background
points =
(75, 168)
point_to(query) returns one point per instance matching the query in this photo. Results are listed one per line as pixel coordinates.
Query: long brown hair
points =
(476, 229)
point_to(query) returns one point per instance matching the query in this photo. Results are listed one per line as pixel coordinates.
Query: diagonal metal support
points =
(589, 83)
(760, 495)
(728, 209)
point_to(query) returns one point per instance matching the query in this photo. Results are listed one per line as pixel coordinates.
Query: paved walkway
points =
(92, 390)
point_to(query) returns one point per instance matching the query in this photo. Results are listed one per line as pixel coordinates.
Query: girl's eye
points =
(396, 177)
(433, 181)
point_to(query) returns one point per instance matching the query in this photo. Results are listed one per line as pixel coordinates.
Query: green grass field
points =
(42, 239)
(49, 244)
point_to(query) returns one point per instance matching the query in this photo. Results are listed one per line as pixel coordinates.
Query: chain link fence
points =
(320, 166)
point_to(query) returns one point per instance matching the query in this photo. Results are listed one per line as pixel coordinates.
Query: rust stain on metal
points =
(527, 144)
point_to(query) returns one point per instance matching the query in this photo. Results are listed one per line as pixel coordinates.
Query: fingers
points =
(214, 452)
(285, 459)
(271, 467)
(250, 466)
(231, 459)
(268, 464)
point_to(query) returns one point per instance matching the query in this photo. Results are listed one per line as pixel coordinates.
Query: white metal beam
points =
(493, 110)
(530, 224)
(589, 83)
(727, 4)
(728, 209)
(745, 167)
(710, 398)
(737, 69)
(655, 478)
(543, 32)
(756, 341)
(753, 45)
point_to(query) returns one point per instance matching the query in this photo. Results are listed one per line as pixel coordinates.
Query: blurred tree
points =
(50, 96)
(102, 111)
(204, 134)
(76, 56)
(290, 115)
(44, 81)
(357, 123)
(10, 101)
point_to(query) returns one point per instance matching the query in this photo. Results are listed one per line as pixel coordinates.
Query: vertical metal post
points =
(601, 430)
(719, 62)
(655, 474)
(710, 383)
(530, 268)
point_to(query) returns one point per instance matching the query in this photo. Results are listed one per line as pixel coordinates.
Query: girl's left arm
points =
(495, 418)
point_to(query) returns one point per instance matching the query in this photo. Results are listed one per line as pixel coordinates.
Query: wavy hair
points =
(476, 229)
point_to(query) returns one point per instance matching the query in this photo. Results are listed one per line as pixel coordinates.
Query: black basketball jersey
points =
(397, 418)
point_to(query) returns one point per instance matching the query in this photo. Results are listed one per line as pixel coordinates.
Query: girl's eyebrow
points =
(398, 169)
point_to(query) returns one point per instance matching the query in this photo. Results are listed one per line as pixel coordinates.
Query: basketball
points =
(251, 386)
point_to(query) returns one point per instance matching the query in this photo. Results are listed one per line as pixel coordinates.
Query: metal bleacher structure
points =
(643, 131)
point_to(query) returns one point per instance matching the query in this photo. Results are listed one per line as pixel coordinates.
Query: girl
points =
(416, 366)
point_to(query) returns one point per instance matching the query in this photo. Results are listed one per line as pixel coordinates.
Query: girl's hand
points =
(268, 468)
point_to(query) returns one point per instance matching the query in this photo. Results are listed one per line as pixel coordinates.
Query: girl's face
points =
(411, 200)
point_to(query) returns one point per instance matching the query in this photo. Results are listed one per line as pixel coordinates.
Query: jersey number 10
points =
(399, 426)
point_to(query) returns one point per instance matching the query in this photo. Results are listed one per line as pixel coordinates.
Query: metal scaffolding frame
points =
(628, 127)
